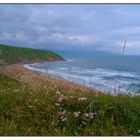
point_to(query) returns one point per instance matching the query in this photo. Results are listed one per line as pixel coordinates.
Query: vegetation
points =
(32, 104)
(11, 55)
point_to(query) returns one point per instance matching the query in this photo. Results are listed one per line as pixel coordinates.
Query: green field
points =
(11, 55)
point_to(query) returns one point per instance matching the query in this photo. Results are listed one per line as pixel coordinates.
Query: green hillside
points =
(11, 55)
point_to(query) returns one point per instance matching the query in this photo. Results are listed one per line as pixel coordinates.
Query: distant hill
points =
(12, 55)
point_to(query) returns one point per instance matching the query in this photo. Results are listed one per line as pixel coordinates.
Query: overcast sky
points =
(72, 27)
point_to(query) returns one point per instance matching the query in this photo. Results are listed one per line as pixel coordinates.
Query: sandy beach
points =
(36, 80)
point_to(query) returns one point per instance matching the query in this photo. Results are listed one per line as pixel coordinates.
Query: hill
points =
(12, 55)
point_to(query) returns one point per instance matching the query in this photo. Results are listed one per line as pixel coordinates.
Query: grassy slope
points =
(10, 55)
(28, 102)
(27, 107)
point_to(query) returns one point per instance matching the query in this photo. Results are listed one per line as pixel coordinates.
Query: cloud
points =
(71, 27)
(129, 31)
(81, 39)
(15, 37)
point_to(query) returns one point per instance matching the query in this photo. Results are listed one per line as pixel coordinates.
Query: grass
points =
(42, 106)
(32, 104)
(12, 55)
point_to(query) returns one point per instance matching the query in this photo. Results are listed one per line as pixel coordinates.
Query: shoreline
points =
(24, 75)
(110, 91)
(20, 69)
(60, 78)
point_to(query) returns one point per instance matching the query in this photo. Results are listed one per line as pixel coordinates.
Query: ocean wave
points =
(98, 78)
(31, 67)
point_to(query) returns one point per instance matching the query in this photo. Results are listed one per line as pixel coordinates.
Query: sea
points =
(108, 74)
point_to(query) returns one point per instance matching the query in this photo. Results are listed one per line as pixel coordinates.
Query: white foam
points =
(70, 60)
(30, 67)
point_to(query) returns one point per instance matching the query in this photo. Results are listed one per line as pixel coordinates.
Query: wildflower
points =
(57, 104)
(58, 93)
(62, 112)
(76, 114)
(84, 122)
(64, 119)
(91, 115)
(86, 115)
(82, 99)
(61, 98)
(62, 115)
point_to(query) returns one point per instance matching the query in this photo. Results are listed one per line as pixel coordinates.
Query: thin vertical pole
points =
(124, 46)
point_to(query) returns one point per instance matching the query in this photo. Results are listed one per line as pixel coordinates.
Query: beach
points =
(37, 79)
(108, 74)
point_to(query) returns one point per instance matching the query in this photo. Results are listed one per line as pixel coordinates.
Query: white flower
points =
(86, 115)
(64, 119)
(84, 123)
(91, 115)
(76, 114)
(61, 117)
(63, 112)
(58, 93)
(57, 104)
(82, 99)
(61, 98)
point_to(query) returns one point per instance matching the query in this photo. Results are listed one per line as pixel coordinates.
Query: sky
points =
(79, 28)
